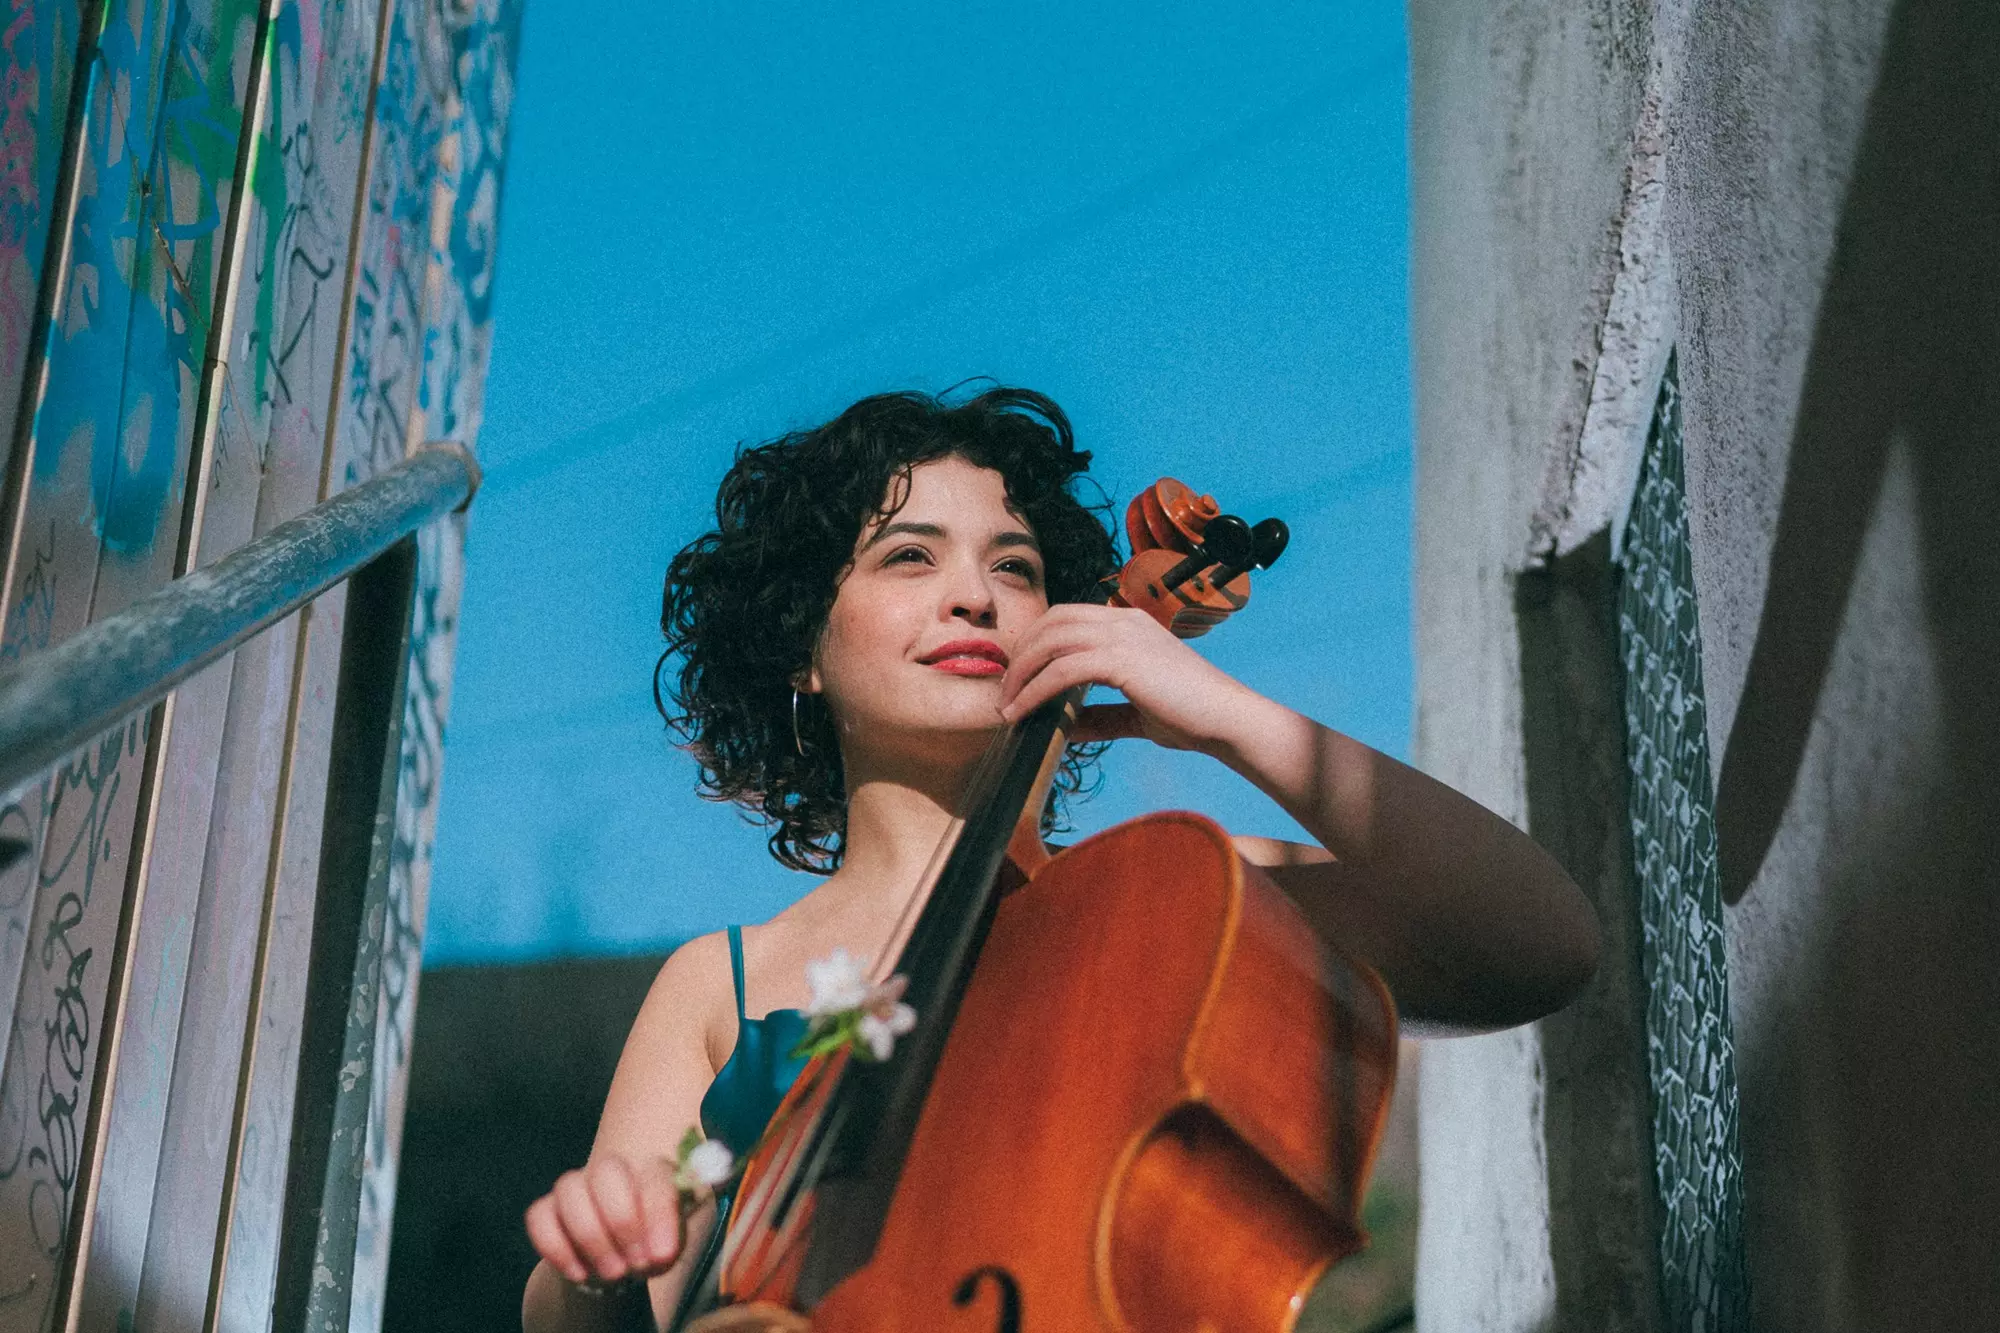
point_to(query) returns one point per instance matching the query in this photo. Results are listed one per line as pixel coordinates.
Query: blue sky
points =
(1187, 224)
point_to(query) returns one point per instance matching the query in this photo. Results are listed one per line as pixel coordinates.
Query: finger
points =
(1032, 652)
(1070, 612)
(1042, 645)
(578, 1214)
(660, 1202)
(1069, 622)
(1107, 722)
(1061, 674)
(616, 1195)
(1119, 629)
(545, 1233)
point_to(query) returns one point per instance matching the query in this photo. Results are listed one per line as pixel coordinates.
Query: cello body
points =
(1156, 1110)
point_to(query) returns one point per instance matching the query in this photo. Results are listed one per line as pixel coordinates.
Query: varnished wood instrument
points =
(1141, 1095)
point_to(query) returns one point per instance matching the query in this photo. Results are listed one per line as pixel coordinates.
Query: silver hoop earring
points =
(797, 744)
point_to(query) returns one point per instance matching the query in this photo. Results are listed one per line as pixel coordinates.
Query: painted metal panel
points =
(40, 141)
(216, 519)
(379, 385)
(386, 331)
(38, 43)
(211, 362)
(112, 454)
(221, 888)
(478, 45)
(379, 422)
(287, 692)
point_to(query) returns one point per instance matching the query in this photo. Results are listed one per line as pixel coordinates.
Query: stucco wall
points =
(1836, 215)
(1521, 121)
(1832, 217)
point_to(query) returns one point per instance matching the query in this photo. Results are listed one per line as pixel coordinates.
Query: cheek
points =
(1025, 607)
(859, 634)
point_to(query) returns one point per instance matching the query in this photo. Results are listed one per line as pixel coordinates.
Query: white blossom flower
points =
(846, 1013)
(709, 1163)
(701, 1165)
(880, 1030)
(838, 984)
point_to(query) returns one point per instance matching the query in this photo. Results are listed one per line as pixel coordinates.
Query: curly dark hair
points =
(745, 603)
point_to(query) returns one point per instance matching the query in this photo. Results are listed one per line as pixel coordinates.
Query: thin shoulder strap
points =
(736, 966)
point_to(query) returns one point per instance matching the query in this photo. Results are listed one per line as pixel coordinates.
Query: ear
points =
(807, 681)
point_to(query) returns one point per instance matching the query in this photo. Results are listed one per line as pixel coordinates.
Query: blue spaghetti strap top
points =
(748, 1088)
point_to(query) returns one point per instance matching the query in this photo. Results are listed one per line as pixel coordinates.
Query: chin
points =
(930, 716)
(978, 717)
(939, 722)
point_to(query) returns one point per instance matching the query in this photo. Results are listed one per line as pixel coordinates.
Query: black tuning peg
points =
(1261, 547)
(1270, 537)
(1228, 541)
(1232, 546)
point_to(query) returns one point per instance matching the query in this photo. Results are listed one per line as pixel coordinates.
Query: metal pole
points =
(56, 700)
(343, 984)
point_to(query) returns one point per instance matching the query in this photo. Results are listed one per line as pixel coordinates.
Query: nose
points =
(969, 597)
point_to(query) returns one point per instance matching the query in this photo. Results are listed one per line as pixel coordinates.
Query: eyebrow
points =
(1009, 538)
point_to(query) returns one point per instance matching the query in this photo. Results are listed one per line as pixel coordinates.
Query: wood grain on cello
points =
(1144, 1095)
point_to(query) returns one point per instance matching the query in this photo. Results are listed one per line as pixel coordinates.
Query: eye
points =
(1022, 568)
(905, 555)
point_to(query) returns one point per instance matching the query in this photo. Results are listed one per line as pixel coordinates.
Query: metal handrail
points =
(54, 701)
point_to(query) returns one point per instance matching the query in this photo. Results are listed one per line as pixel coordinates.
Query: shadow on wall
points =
(1596, 1119)
(1891, 1015)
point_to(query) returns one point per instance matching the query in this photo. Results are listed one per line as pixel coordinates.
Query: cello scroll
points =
(1191, 563)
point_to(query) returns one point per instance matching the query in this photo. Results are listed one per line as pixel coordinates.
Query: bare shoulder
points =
(668, 1061)
(693, 993)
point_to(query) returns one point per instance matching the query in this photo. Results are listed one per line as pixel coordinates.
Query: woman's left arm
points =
(1472, 925)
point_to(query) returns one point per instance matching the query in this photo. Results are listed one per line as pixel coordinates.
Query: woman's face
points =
(923, 624)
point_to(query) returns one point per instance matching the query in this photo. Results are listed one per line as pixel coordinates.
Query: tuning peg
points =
(1224, 541)
(1269, 538)
(1228, 540)
(1257, 548)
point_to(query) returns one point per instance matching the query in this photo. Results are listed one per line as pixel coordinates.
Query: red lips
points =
(967, 657)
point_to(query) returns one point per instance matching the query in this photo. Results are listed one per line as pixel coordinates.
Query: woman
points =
(878, 596)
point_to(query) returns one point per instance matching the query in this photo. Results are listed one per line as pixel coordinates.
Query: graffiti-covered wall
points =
(246, 261)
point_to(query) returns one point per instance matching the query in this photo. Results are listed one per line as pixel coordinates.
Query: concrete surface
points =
(1522, 118)
(1829, 210)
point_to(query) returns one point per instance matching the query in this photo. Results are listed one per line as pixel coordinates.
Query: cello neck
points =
(868, 1130)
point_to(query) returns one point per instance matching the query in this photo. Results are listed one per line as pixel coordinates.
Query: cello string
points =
(986, 775)
(807, 1169)
(980, 788)
(982, 778)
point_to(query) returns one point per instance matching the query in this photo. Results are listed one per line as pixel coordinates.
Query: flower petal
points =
(881, 1038)
(837, 984)
(710, 1163)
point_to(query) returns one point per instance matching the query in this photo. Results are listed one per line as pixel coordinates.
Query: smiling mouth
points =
(968, 657)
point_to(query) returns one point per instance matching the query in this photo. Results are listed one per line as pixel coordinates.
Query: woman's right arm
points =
(618, 1216)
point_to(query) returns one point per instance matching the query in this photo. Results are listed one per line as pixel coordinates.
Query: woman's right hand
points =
(616, 1217)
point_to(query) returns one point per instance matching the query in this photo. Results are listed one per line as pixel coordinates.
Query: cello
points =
(1141, 1095)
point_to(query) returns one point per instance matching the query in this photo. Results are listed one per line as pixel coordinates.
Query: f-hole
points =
(1010, 1295)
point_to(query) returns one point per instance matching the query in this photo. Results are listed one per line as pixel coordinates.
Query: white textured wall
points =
(1835, 205)
(1521, 120)
(1832, 215)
